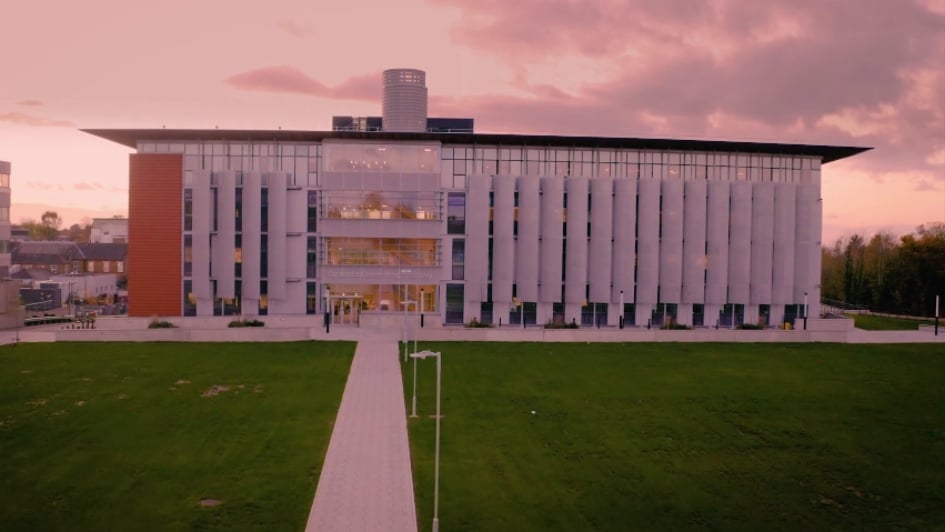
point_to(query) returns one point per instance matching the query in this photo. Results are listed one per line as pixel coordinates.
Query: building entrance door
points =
(345, 310)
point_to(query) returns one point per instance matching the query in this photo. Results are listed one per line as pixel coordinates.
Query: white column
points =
(671, 242)
(477, 239)
(739, 250)
(782, 288)
(576, 274)
(694, 245)
(804, 246)
(503, 245)
(648, 256)
(526, 249)
(552, 218)
(762, 243)
(203, 220)
(600, 274)
(625, 222)
(224, 245)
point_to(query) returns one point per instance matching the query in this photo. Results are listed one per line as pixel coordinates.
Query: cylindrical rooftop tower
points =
(405, 100)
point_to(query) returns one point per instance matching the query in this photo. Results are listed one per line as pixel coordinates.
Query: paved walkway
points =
(366, 483)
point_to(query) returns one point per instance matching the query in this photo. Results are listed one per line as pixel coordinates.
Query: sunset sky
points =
(848, 72)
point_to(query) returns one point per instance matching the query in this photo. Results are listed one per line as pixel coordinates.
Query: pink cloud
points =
(88, 186)
(293, 28)
(24, 119)
(819, 72)
(30, 103)
(289, 79)
(41, 186)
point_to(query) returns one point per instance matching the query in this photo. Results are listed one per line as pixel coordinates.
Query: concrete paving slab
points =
(366, 483)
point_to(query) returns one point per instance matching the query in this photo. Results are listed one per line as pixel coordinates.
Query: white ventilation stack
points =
(405, 100)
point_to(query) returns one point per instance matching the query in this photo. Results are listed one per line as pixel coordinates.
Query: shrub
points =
(476, 324)
(750, 326)
(673, 326)
(561, 325)
(161, 324)
(246, 323)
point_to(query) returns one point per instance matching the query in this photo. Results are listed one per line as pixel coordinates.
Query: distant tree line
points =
(49, 227)
(884, 274)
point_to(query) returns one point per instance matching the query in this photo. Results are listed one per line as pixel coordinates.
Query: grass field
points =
(871, 322)
(684, 436)
(111, 436)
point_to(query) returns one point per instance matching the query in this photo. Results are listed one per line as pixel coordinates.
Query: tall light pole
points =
(936, 315)
(403, 302)
(327, 311)
(421, 311)
(436, 456)
(621, 309)
(805, 311)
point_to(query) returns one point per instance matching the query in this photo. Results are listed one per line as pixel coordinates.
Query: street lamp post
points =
(327, 311)
(421, 311)
(936, 315)
(621, 309)
(436, 456)
(805, 311)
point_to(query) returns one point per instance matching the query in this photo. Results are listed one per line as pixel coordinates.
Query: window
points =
(190, 300)
(459, 258)
(188, 209)
(263, 298)
(312, 213)
(238, 256)
(311, 298)
(264, 211)
(310, 257)
(239, 209)
(188, 255)
(454, 303)
(456, 213)
(343, 251)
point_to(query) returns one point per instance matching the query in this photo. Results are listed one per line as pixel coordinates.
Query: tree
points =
(78, 233)
(854, 281)
(48, 227)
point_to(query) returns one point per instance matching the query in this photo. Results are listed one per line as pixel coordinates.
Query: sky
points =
(844, 72)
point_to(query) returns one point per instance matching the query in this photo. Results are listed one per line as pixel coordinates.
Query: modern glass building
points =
(489, 227)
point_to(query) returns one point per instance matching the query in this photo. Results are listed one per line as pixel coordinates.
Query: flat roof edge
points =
(130, 138)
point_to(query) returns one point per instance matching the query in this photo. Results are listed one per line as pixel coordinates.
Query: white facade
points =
(109, 231)
(499, 232)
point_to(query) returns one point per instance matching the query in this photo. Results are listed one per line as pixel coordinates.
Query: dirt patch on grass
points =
(258, 388)
(182, 381)
(209, 503)
(80, 403)
(216, 389)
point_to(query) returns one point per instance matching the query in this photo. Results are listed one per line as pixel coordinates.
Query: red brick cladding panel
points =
(155, 187)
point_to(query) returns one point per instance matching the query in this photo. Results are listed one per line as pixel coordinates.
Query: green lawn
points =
(881, 323)
(683, 437)
(118, 436)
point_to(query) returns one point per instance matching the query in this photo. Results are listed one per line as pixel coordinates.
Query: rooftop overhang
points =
(131, 137)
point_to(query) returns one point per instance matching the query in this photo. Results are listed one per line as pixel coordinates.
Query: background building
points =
(5, 168)
(506, 228)
(109, 231)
